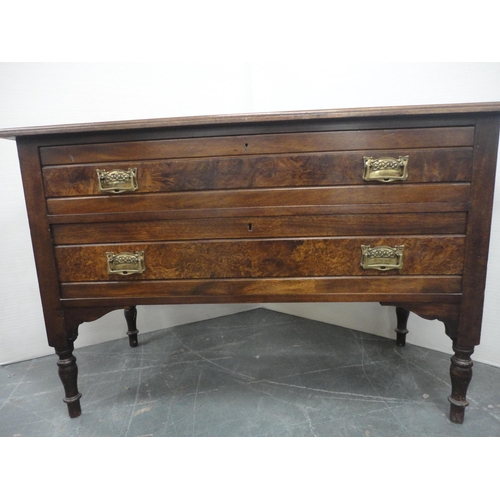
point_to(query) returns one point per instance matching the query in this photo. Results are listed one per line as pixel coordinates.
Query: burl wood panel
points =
(261, 258)
(243, 172)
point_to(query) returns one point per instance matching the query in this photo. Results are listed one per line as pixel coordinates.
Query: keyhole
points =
(250, 227)
(246, 144)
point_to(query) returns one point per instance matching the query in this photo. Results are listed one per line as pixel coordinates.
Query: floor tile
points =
(256, 373)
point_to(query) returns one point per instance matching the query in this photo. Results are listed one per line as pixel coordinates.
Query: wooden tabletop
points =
(486, 107)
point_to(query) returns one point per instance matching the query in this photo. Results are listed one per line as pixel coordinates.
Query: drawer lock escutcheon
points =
(382, 258)
(125, 263)
(385, 169)
(117, 181)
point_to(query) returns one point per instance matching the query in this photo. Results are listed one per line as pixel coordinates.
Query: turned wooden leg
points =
(401, 330)
(461, 375)
(131, 318)
(68, 373)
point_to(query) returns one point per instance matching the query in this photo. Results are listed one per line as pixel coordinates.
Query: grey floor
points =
(257, 373)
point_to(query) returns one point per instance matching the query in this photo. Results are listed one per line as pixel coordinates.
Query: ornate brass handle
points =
(386, 169)
(382, 258)
(117, 181)
(125, 263)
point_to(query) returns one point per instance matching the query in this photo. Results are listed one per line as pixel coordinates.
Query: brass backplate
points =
(385, 169)
(117, 181)
(382, 258)
(125, 263)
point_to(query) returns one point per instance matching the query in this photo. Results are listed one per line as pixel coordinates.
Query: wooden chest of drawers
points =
(391, 205)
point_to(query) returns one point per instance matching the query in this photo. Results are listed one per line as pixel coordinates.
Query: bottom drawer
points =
(337, 289)
(279, 258)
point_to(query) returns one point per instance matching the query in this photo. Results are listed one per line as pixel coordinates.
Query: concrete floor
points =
(256, 373)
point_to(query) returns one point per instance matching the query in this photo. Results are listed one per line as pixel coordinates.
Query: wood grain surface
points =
(261, 227)
(255, 198)
(260, 171)
(258, 144)
(339, 289)
(262, 258)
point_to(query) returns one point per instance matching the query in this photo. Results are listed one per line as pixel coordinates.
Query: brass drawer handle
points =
(117, 181)
(382, 258)
(385, 169)
(125, 263)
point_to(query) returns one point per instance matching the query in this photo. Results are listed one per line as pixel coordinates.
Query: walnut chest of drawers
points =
(389, 205)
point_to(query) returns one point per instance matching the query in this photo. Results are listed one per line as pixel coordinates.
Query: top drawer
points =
(257, 161)
(259, 144)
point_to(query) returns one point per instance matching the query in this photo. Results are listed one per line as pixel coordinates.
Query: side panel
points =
(478, 230)
(41, 240)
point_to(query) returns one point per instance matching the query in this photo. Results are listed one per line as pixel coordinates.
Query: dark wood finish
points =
(272, 211)
(461, 375)
(340, 289)
(359, 115)
(402, 315)
(265, 208)
(68, 373)
(258, 144)
(163, 296)
(42, 243)
(448, 313)
(278, 258)
(131, 319)
(259, 290)
(260, 227)
(478, 231)
(240, 172)
(263, 198)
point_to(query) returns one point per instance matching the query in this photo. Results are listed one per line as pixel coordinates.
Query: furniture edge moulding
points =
(304, 116)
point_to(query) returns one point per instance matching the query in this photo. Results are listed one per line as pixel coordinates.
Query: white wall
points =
(56, 93)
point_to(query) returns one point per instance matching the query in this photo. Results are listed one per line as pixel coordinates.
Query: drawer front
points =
(247, 172)
(272, 171)
(271, 200)
(279, 215)
(218, 259)
(261, 227)
(299, 142)
(337, 289)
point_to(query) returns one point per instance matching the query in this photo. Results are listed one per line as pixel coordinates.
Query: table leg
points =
(402, 315)
(68, 373)
(461, 375)
(131, 318)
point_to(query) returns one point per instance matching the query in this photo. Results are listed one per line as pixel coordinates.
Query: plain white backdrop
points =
(58, 93)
